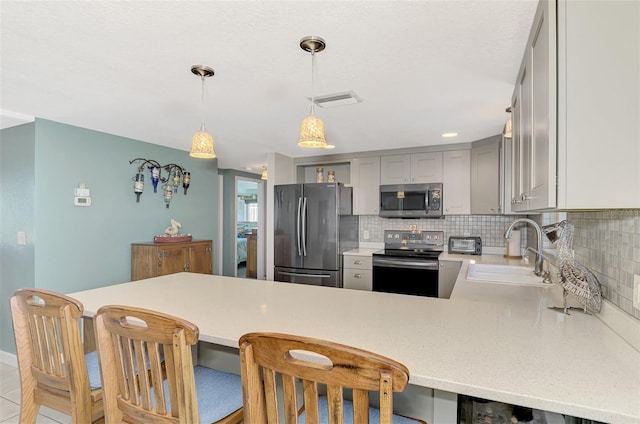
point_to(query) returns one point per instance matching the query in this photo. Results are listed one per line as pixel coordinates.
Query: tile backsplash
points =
(490, 227)
(608, 243)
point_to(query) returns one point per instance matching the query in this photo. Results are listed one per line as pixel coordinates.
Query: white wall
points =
(281, 171)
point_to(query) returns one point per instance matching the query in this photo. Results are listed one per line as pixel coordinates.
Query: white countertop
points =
(493, 341)
(362, 251)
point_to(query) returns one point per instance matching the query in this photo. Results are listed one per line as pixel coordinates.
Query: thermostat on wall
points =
(82, 196)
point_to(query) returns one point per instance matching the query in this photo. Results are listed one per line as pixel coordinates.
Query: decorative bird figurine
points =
(174, 228)
(574, 277)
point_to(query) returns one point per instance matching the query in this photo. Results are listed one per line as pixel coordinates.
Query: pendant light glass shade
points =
(202, 145)
(312, 133)
(508, 130)
(202, 141)
(264, 173)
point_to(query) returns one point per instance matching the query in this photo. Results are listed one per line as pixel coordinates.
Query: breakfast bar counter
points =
(493, 341)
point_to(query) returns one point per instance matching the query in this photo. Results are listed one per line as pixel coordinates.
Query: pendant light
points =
(507, 132)
(312, 128)
(264, 173)
(202, 142)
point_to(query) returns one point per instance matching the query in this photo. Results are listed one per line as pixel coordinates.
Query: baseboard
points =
(8, 358)
(623, 324)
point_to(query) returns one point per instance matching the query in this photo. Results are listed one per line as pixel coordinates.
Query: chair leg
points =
(28, 409)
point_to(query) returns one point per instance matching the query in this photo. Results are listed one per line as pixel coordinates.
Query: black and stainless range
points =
(409, 264)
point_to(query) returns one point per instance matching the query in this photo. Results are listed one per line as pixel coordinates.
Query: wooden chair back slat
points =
(335, 403)
(289, 399)
(361, 405)
(310, 396)
(314, 367)
(53, 370)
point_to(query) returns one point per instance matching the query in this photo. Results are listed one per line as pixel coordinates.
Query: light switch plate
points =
(636, 291)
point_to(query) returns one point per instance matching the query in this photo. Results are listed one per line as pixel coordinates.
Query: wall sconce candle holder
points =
(169, 184)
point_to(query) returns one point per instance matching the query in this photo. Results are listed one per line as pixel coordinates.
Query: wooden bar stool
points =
(172, 390)
(54, 371)
(321, 370)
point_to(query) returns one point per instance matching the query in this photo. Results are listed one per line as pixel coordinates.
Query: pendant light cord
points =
(202, 108)
(313, 60)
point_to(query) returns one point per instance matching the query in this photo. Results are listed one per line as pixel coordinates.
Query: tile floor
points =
(10, 400)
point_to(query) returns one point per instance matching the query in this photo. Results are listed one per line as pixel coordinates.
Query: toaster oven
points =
(465, 245)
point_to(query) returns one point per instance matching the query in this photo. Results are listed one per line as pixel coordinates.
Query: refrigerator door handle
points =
(298, 216)
(304, 226)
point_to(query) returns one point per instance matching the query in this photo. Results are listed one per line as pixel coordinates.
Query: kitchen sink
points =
(505, 274)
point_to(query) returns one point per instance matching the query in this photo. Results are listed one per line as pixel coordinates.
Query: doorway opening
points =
(248, 226)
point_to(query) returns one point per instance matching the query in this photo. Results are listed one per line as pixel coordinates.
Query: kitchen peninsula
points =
(494, 341)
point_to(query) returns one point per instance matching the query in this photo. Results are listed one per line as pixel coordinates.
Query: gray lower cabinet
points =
(447, 276)
(357, 272)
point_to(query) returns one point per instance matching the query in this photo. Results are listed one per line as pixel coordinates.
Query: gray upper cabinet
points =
(456, 181)
(534, 117)
(365, 178)
(411, 168)
(486, 174)
(575, 105)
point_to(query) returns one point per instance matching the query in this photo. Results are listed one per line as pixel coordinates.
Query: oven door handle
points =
(405, 263)
(296, 274)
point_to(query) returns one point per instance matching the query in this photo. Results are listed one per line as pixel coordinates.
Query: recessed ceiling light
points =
(449, 134)
(248, 168)
(329, 146)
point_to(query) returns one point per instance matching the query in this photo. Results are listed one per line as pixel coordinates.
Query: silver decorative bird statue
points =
(574, 277)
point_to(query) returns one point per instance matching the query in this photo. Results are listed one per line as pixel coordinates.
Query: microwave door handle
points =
(298, 225)
(426, 200)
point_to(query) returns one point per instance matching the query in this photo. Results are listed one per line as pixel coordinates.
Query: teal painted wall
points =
(17, 203)
(78, 248)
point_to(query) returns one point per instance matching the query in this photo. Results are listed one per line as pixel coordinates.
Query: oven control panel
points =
(413, 238)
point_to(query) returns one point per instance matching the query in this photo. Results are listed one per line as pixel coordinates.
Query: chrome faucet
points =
(539, 258)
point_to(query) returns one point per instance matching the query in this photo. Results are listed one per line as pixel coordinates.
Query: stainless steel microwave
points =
(411, 200)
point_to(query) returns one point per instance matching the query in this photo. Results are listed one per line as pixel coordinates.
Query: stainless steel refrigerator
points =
(314, 225)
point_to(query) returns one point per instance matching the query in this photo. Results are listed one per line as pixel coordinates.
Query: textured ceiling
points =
(421, 67)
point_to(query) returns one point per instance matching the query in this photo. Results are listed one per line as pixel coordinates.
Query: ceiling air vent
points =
(337, 99)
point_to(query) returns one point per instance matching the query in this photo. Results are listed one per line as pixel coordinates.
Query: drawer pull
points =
(357, 262)
(357, 275)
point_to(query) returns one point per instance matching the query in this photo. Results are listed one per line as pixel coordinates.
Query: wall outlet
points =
(365, 234)
(636, 291)
(22, 238)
